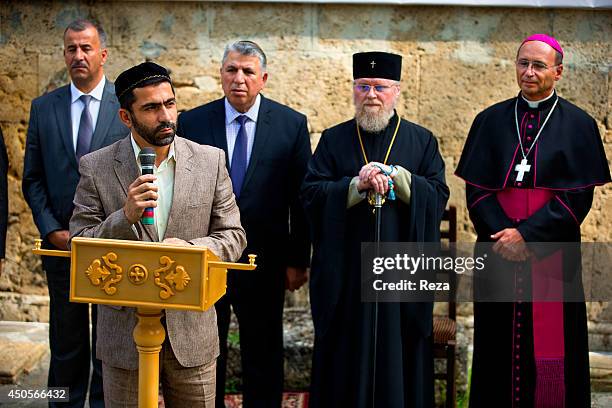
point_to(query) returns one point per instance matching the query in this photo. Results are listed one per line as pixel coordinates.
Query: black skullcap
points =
(137, 75)
(377, 64)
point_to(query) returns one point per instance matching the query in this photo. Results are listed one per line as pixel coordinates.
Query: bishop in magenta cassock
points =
(531, 164)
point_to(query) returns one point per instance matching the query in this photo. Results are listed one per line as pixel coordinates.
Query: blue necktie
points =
(239, 157)
(85, 129)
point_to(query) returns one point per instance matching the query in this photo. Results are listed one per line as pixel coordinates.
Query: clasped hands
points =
(510, 245)
(372, 177)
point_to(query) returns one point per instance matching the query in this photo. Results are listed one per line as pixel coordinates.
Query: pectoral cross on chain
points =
(522, 168)
(372, 64)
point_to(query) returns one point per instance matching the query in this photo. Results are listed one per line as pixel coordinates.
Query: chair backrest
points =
(448, 232)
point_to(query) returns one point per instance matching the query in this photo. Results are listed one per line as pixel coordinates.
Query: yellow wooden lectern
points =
(149, 276)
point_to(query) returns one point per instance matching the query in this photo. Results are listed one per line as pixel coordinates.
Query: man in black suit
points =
(64, 125)
(268, 148)
(3, 199)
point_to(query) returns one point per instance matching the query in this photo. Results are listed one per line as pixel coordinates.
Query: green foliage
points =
(232, 386)
(463, 400)
(233, 338)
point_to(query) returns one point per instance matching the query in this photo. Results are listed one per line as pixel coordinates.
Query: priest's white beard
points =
(373, 122)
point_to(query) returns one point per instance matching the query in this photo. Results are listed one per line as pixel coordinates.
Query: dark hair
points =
(83, 24)
(127, 99)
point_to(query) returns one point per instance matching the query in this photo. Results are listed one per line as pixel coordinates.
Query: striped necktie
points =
(85, 129)
(239, 157)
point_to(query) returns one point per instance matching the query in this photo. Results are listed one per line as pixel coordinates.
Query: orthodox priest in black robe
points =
(530, 165)
(375, 152)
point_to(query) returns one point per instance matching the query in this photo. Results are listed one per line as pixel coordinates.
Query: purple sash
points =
(547, 282)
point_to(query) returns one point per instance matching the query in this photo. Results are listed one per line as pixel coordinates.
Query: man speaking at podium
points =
(191, 196)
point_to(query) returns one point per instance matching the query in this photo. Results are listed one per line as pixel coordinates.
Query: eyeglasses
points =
(365, 88)
(537, 66)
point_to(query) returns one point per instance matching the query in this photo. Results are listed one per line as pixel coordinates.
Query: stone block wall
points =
(457, 61)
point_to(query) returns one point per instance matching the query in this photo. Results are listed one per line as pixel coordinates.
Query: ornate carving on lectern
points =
(93, 277)
(101, 274)
(138, 274)
(96, 273)
(170, 275)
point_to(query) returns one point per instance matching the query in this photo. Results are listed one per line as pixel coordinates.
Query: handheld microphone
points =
(147, 161)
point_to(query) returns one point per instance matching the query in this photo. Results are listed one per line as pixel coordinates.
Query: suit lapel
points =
(64, 122)
(218, 128)
(108, 110)
(184, 182)
(262, 133)
(126, 169)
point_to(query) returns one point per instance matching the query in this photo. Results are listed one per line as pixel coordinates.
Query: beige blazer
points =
(203, 212)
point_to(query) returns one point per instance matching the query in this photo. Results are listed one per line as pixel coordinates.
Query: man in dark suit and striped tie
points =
(65, 125)
(267, 147)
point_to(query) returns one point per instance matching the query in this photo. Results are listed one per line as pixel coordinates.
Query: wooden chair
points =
(445, 327)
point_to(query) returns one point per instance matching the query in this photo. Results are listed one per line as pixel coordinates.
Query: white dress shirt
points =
(77, 106)
(232, 126)
(165, 187)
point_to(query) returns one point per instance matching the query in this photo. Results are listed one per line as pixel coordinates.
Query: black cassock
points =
(342, 373)
(567, 162)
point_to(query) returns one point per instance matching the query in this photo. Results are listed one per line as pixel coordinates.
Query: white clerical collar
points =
(96, 93)
(231, 113)
(535, 104)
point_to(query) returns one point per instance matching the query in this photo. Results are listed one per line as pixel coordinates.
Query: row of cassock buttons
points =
(518, 314)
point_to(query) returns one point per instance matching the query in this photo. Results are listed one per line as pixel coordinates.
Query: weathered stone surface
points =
(319, 85)
(38, 24)
(24, 307)
(465, 337)
(29, 345)
(17, 358)
(196, 76)
(24, 350)
(600, 336)
(369, 28)
(601, 399)
(457, 61)
(281, 27)
(17, 82)
(601, 371)
(299, 340)
(155, 30)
